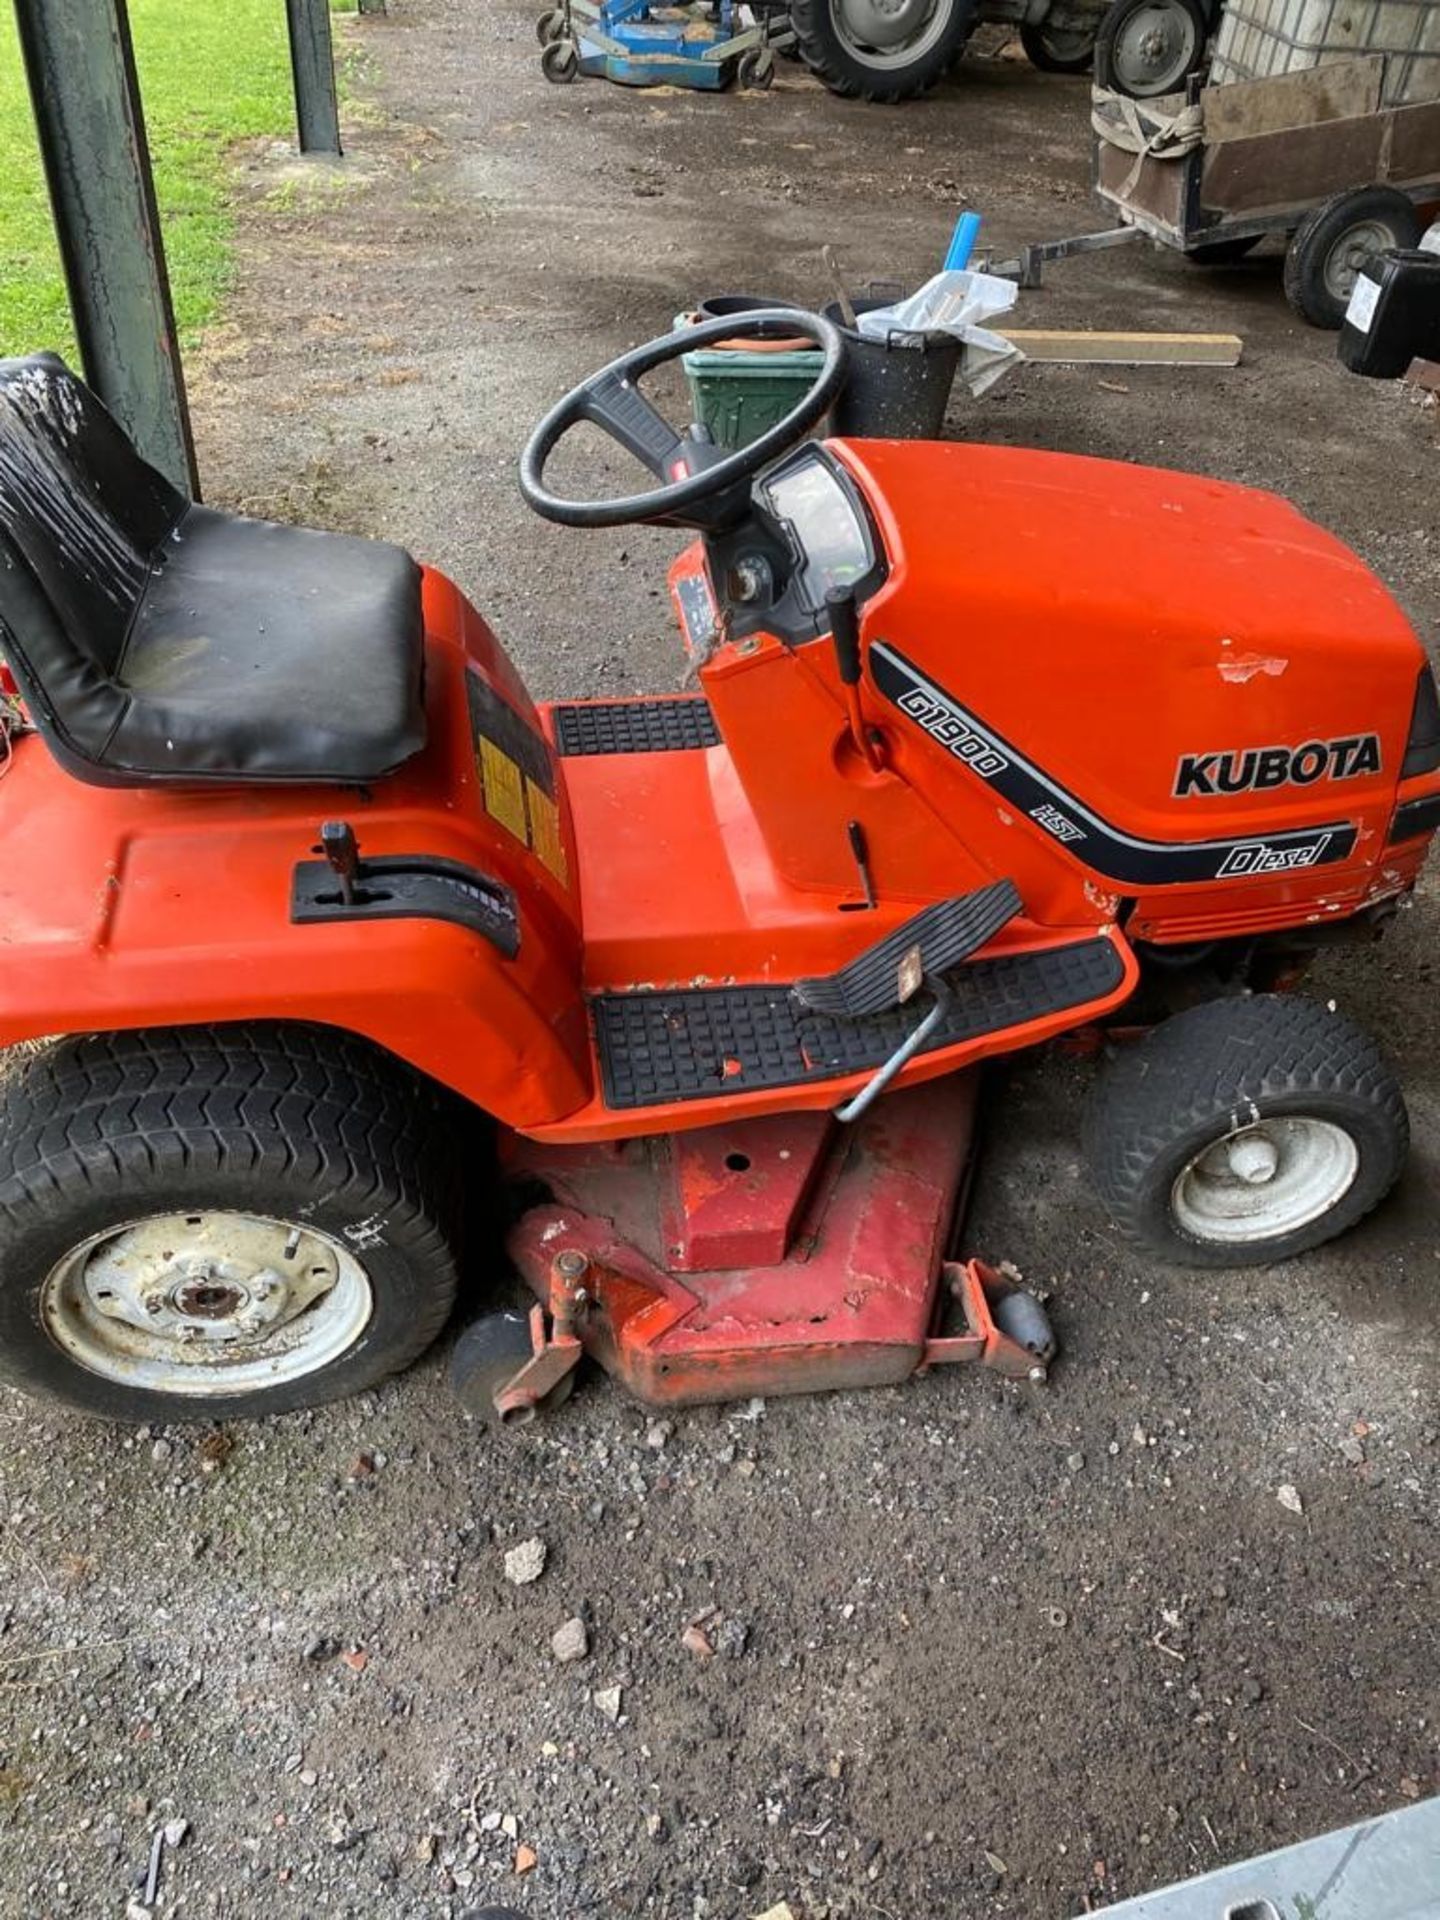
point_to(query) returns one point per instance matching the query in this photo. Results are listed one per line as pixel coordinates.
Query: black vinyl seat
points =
(156, 640)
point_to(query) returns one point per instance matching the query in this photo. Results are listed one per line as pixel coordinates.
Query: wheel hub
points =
(206, 1303)
(889, 29)
(1265, 1180)
(1352, 252)
(1154, 49)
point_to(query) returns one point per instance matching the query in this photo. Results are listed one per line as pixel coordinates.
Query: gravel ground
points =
(979, 1651)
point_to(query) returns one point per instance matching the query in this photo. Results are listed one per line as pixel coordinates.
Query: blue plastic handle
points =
(962, 242)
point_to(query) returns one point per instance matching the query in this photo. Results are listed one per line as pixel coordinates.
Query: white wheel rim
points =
(1354, 250)
(206, 1304)
(889, 33)
(1265, 1180)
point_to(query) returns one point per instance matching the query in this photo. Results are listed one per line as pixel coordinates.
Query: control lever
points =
(342, 855)
(845, 633)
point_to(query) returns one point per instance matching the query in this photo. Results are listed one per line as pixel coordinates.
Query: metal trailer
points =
(1313, 155)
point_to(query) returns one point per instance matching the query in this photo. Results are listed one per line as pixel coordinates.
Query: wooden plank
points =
(1342, 91)
(1157, 192)
(1296, 168)
(1103, 349)
(1301, 166)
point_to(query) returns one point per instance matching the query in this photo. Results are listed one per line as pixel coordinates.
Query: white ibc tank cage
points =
(1258, 39)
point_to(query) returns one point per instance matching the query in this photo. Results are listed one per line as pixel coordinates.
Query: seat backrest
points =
(81, 515)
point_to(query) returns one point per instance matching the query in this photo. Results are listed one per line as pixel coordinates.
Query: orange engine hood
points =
(1112, 619)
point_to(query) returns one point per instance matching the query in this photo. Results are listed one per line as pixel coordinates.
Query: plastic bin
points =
(739, 392)
(1260, 39)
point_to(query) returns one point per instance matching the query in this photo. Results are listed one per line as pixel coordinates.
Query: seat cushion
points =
(264, 652)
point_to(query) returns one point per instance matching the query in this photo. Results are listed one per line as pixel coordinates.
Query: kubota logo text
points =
(1262, 767)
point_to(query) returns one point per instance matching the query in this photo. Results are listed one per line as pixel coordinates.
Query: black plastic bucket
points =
(897, 388)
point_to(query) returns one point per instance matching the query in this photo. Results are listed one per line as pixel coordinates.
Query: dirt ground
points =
(990, 1652)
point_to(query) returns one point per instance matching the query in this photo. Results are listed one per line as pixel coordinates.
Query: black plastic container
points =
(1394, 314)
(725, 306)
(897, 388)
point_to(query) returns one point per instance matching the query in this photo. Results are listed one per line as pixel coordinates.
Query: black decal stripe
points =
(1099, 845)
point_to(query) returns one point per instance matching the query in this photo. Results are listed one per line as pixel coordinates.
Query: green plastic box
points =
(738, 395)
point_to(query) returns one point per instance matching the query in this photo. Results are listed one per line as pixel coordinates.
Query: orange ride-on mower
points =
(989, 746)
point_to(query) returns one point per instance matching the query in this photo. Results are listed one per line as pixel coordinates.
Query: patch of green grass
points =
(211, 72)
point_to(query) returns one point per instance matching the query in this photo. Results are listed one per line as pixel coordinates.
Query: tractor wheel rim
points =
(1155, 49)
(1354, 250)
(889, 33)
(206, 1304)
(1265, 1181)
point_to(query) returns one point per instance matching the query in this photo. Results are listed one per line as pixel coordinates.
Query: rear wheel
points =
(1335, 242)
(1058, 49)
(1146, 48)
(219, 1222)
(1246, 1131)
(881, 49)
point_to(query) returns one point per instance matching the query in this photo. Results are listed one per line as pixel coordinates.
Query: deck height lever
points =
(845, 633)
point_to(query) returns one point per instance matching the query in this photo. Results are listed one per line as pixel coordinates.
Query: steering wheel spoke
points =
(714, 493)
(619, 408)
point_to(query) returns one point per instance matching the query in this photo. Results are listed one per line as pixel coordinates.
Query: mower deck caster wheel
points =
(1021, 1318)
(550, 26)
(488, 1353)
(755, 71)
(560, 61)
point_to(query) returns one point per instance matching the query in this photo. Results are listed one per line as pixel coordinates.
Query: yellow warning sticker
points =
(545, 838)
(504, 786)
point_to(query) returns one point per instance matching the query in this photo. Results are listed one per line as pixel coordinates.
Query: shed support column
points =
(81, 71)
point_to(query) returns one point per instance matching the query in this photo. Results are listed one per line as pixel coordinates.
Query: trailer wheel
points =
(1148, 47)
(1245, 1131)
(881, 49)
(219, 1222)
(1058, 49)
(1335, 241)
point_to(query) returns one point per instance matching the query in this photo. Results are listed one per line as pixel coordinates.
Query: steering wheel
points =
(693, 474)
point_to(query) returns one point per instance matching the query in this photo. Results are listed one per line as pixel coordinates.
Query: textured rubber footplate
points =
(636, 726)
(660, 1048)
(946, 934)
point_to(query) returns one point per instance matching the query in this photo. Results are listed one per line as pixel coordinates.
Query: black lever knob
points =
(845, 631)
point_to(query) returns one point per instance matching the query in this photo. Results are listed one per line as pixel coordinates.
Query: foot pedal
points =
(945, 934)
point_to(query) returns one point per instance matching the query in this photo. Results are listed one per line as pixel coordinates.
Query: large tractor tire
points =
(883, 50)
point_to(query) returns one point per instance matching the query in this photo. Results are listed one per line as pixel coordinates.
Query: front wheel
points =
(883, 50)
(1245, 1131)
(219, 1222)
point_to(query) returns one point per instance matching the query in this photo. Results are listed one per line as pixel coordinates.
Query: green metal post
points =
(81, 71)
(312, 61)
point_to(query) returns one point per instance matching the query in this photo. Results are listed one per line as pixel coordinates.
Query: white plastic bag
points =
(957, 303)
